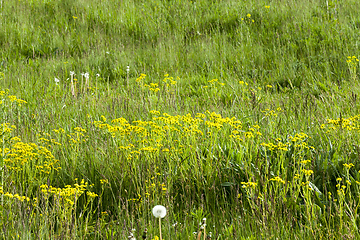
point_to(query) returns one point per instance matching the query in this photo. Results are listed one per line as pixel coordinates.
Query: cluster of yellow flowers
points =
(62, 137)
(350, 124)
(268, 112)
(6, 128)
(15, 99)
(154, 185)
(46, 139)
(341, 187)
(248, 184)
(242, 135)
(135, 200)
(243, 83)
(14, 196)
(152, 87)
(77, 137)
(170, 134)
(104, 181)
(214, 83)
(348, 166)
(279, 146)
(352, 60)
(277, 179)
(29, 157)
(170, 82)
(140, 78)
(298, 141)
(4, 94)
(307, 172)
(155, 87)
(353, 64)
(68, 195)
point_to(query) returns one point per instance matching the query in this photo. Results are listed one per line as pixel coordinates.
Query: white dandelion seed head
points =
(159, 211)
(72, 73)
(86, 75)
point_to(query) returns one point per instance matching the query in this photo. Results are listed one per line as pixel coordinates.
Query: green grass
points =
(244, 91)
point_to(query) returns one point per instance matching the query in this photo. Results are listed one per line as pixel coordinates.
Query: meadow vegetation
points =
(242, 112)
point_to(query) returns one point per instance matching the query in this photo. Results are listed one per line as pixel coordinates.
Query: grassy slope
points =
(299, 48)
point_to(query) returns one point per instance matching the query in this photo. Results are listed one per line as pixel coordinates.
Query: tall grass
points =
(243, 112)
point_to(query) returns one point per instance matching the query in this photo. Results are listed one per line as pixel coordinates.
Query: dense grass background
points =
(281, 65)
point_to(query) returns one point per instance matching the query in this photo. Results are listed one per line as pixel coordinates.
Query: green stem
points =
(160, 228)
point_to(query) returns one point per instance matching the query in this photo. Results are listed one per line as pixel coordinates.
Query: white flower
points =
(86, 75)
(131, 235)
(72, 73)
(97, 75)
(159, 211)
(57, 80)
(128, 69)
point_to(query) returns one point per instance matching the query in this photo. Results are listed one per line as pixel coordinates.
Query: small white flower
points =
(159, 211)
(131, 235)
(97, 75)
(128, 69)
(57, 80)
(86, 75)
(72, 73)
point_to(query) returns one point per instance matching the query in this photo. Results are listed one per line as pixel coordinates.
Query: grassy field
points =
(245, 113)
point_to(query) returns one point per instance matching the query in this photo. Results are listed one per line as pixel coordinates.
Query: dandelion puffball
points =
(159, 211)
